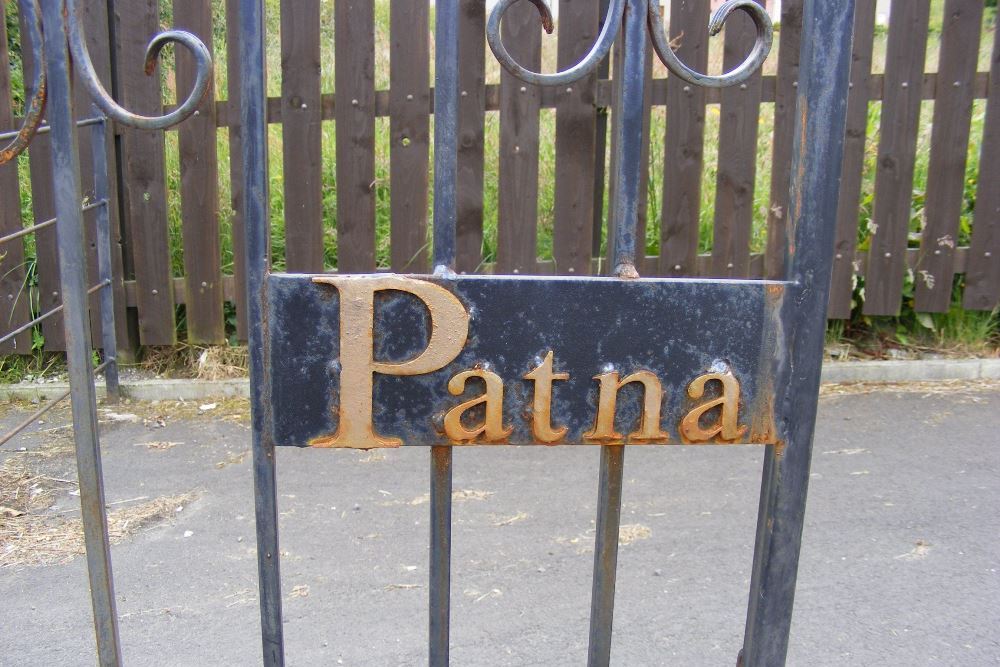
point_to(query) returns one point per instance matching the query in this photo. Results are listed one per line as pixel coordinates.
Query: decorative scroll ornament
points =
(661, 44)
(88, 75)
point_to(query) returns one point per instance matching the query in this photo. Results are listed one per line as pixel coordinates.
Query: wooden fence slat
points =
(409, 129)
(199, 190)
(896, 156)
(233, 70)
(145, 190)
(354, 41)
(301, 132)
(576, 124)
(471, 135)
(785, 95)
(739, 111)
(683, 150)
(14, 295)
(43, 208)
(963, 20)
(519, 106)
(852, 166)
(982, 278)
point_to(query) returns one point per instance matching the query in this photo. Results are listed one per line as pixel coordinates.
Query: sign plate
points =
(383, 360)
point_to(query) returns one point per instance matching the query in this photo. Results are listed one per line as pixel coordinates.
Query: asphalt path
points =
(899, 560)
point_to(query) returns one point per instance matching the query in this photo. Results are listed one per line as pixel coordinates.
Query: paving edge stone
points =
(833, 372)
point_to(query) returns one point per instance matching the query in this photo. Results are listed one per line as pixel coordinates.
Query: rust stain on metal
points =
(32, 121)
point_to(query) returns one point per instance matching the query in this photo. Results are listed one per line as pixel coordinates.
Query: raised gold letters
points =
(604, 425)
(449, 330)
(492, 426)
(541, 413)
(726, 428)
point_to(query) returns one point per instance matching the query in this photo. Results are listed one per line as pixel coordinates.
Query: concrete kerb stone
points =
(833, 372)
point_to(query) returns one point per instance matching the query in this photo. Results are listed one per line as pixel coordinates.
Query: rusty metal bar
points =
(58, 309)
(48, 223)
(105, 248)
(819, 134)
(76, 323)
(253, 103)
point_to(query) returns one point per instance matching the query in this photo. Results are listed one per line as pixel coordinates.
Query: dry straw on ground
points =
(31, 534)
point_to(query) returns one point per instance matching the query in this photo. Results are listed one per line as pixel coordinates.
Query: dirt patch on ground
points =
(31, 533)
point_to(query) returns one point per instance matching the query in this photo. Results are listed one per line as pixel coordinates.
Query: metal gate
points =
(369, 361)
(57, 44)
(382, 360)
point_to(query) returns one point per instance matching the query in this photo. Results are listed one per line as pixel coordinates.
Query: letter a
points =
(449, 330)
(727, 429)
(492, 426)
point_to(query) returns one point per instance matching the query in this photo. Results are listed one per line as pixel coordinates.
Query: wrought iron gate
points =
(381, 360)
(321, 345)
(58, 50)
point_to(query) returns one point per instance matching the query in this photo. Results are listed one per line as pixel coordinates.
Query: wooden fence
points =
(881, 242)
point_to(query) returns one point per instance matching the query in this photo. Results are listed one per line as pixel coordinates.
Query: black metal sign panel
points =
(384, 360)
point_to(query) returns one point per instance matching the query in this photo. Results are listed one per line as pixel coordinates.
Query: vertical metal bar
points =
(445, 132)
(76, 323)
(628, 141)
(105, 246)
(600, 144)
(819, 137)
(602, 600)
(255, 207)
(446, 97)
(624, 216)
(440, 559)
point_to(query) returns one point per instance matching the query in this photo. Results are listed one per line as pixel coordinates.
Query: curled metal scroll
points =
(761, 47)
(85, 67)
(661, 44)
(587, 65)
(33, 115)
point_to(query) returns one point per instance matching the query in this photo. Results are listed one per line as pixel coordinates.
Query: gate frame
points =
(54, 32)
(818, 148)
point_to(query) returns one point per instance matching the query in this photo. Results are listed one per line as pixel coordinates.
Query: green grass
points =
(957, 324)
